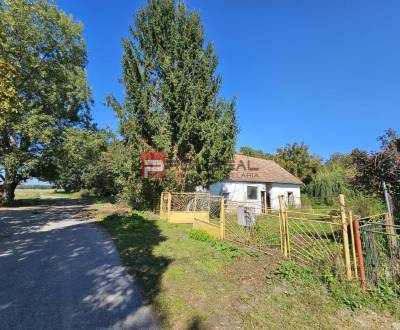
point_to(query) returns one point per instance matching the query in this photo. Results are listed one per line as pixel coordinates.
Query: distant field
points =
(33, 196)
(33, 193)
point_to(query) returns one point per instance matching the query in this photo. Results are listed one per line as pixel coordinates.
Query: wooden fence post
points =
(391, 234)
(353, 247)
(282, 225)
(359, 254)
(287, 233)
(169, 207)
(222, 219)
(347, 261)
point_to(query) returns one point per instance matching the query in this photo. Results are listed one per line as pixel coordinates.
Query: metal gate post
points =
(353, 247)
(359, 254)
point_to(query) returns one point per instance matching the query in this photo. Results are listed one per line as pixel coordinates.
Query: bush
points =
(200, 235)
(328, 183)
(306, 201)
(363, 206)
(84, 193)
(381, 296)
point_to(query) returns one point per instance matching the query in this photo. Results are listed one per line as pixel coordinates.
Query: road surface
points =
(60, 271)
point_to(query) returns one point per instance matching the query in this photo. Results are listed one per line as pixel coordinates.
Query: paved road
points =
(59, 271)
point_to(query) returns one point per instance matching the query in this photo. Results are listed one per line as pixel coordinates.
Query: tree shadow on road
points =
(60, 264)
(136, 237)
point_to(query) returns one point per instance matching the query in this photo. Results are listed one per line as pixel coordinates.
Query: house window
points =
(252, 192)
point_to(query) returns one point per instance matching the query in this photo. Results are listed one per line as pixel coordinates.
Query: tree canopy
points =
(375, 167)
(43, 54)
(172, 102)
(78, 158)
(295, 158)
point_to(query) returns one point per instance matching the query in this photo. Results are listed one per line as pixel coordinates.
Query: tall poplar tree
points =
(172, 102)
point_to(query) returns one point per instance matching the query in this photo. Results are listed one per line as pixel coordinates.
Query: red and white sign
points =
(153, 164)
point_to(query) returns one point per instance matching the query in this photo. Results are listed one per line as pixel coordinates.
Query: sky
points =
(326, 73)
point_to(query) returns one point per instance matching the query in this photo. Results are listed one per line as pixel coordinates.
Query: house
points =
(258, 183)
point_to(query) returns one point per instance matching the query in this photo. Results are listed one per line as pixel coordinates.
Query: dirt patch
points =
(103, 211)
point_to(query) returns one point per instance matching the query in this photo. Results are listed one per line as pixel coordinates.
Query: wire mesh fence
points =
(306, 235)
(255, 230)
(381, 251)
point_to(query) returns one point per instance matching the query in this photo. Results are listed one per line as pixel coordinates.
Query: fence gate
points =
(381, 251)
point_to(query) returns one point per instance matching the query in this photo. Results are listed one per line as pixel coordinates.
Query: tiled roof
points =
(246, 168)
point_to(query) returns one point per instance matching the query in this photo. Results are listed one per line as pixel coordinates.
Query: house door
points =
(263, 202)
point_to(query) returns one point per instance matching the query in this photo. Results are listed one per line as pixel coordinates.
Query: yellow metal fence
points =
(200, 209)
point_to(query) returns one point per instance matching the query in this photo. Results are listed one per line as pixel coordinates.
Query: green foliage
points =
(84, 161)
(328, 183)
(384, 165)
(102, 175)
(363, 205)
(296, 159)
(172, 103)
(228, 249)
(46, 54)
(9, 98)
(200, 235)
(381, 296)
(248, 151)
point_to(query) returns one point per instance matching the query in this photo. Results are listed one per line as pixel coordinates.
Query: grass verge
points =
(196, 282)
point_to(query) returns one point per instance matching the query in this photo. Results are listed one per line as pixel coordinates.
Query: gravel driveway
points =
(60, 271)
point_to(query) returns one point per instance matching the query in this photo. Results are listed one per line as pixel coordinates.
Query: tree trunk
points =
(10, 184)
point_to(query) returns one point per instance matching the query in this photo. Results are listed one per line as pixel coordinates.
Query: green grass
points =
(27, 197)
(194, 281)
(382, 297)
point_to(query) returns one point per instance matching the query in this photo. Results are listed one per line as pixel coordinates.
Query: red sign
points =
(153, 164)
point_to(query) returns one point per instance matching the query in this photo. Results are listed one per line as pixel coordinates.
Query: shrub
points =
(363, 206)
(200, 235)
(328, 183)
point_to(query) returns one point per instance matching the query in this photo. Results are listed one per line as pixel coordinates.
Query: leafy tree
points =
(297, 159)
(328, 183)
(384, 165)
(341, 159)
(172, 102)
(248, 151)
(79, 159)
(9, 98)
(102, 175)
(46, 57)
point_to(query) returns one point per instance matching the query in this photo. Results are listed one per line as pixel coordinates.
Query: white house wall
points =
(278, 189)
(238, 192)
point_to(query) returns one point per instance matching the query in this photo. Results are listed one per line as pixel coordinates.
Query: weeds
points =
(381, 296)
(229, 250)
